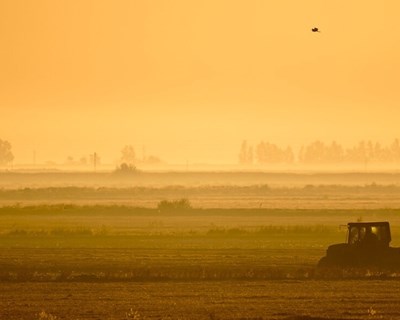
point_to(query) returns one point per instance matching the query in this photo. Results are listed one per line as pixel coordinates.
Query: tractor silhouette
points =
(367, 245)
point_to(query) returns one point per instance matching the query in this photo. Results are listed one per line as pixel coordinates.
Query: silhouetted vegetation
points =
(364, 152)
(174, 205)
(6, 155)
(246, 154)
(318, 152)
(82, 161)
(201, 192)
(128, 155)
(270, 153)
(126, 169)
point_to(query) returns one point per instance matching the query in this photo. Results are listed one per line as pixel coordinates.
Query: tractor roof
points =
(368, 224)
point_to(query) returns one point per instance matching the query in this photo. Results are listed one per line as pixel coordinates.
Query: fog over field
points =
(189, 82)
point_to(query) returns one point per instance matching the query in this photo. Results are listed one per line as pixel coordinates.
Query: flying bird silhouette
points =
(315, 30)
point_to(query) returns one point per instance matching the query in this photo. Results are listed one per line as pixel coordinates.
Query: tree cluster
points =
(319, 152)
(265, 152)
(128, 156)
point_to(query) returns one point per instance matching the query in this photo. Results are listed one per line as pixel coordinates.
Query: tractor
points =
(367, 245)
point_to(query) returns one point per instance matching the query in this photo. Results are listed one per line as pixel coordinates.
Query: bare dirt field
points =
(367, 299)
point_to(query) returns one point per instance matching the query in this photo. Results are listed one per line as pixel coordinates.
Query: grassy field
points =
(65, 260)
(119, 262)
(34, 179)
(370, 196)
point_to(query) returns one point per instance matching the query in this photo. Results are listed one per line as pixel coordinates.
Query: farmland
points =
(231, 252)
(304, 300)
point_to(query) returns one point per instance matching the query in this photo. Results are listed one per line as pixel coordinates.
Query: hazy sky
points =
(191, 79)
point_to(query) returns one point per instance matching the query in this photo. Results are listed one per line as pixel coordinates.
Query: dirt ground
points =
(364, 299)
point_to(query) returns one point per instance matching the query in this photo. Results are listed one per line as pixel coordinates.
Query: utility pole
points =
(94, 161)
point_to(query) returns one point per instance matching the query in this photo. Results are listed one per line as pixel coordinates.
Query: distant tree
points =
(270, 153)
(334, 153)
(315, 153)
(360, 153)
(301, 156)
(378, 153)
(243, 153)
(250, 155)
(128, 155)
(289, 155)
(6, 155)
(260, 152)
(318, 152)
(246, 154)
(395, 150)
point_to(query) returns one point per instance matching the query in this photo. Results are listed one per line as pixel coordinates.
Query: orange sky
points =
(191, 79)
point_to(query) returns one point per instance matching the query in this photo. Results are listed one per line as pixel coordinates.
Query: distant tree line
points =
(127, 161)
(319, 152)
(265, 152)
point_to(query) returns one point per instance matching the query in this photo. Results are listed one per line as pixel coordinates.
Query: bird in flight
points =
(315, 30)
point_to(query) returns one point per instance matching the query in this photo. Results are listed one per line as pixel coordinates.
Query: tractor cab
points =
(369, 234)
(367, 245)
